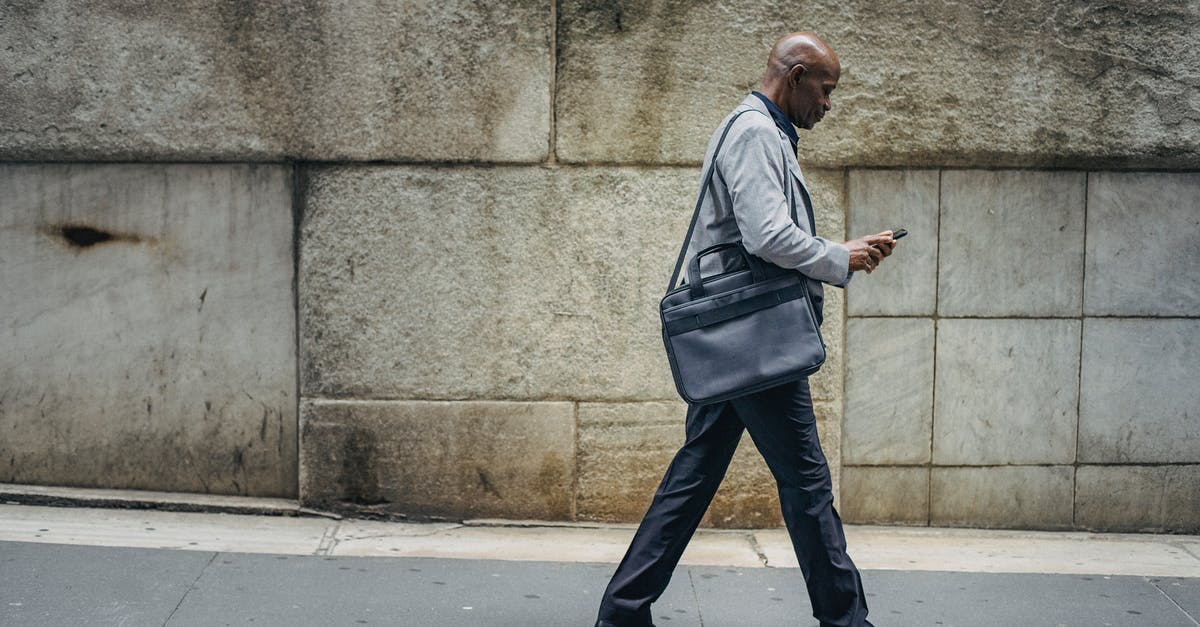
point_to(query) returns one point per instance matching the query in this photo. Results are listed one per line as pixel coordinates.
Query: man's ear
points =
(796, 73)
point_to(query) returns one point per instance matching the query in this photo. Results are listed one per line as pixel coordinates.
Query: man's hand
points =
(867, 252)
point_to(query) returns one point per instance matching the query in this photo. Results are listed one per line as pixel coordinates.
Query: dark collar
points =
(781, 120)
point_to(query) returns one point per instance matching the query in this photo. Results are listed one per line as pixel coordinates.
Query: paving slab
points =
(162, 530)
(367, 538)
(148, 499)
(873, 547)
(968, 550)
(62, 585)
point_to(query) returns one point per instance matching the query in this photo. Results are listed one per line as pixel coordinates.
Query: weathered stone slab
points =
(827, 383)
(906, 283)
(885, 495)
(827, 190)
(1022, 84)
(1012, 497)
(475, 283)
(435, 458)
(1140, 224)
(625, 449)
(1011, 243)
(889, 391)
(148, 327)
(1181, 499)
(524, 283)
(1138, 396)
(268, 80)
(1138, 498)
(1006, 392)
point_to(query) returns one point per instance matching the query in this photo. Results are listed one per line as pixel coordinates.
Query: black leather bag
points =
(742, 330)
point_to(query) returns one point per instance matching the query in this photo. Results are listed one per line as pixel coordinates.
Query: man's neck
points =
(774, 93)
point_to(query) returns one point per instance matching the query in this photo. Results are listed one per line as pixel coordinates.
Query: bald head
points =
(802, 70)
(803, 48)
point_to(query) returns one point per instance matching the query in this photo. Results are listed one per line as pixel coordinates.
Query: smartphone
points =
(898, 233)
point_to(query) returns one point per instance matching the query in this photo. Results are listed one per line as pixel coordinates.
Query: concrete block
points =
(1181, 499)
(1138, 498)
(1139, 226)
(906, 283)
(149, 334)
(450, 459)
(827, 383)
(517, 283)
(748, 497)
(895, 495)
(626, 93)
(625, 449)
(1138, 395)
(319, 80)
(827, 191)
(1011, 243)
(889, 391)
(1006, 392)
(829, 430)
(1012, 497)
(475, 283)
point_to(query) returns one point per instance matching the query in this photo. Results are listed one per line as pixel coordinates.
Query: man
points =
(747, 200)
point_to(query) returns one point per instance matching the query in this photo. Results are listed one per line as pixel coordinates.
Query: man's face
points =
(810, 93)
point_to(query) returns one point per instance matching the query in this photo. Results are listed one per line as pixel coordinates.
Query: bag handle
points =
(700, 201)
(696, 286)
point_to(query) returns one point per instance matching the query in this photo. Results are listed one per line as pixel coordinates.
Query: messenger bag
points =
(742, 330)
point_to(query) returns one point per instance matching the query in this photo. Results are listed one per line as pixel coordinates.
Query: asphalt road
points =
(61, 585)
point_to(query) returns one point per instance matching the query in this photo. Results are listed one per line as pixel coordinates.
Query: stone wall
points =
(496, 329)
(478, 206)
(1028, 357)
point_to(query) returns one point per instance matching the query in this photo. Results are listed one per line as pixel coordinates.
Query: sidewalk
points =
(84, 566)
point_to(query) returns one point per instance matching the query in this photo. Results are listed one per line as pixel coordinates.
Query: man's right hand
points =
(867, 252)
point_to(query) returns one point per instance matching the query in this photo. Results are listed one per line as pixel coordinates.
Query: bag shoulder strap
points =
(700, 200)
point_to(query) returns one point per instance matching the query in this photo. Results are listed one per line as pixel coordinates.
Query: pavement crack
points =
(1173, 602)
(757, 548)
(1185, 548)
(190, 588)
(696, 598)
(328, 540)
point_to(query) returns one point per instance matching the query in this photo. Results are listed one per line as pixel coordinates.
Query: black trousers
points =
(784, 429)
